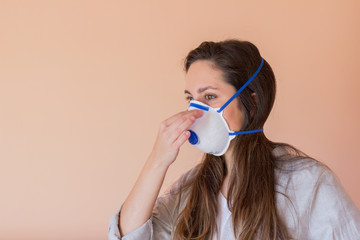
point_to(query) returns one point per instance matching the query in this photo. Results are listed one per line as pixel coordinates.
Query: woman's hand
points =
(172, 135)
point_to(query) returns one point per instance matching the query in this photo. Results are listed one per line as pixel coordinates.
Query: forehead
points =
(201, 73)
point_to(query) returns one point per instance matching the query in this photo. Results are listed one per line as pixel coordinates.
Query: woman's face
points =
(204, 82)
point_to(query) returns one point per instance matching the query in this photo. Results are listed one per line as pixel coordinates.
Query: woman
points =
(246, 187)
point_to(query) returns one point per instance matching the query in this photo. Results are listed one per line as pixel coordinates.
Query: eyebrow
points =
(200, 90)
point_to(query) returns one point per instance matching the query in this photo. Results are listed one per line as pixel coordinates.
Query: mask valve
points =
(193, 139)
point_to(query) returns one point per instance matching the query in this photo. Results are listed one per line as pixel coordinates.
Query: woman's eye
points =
(209, 97)
(188, 98)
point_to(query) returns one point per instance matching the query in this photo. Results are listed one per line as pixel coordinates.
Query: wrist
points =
(156, 163)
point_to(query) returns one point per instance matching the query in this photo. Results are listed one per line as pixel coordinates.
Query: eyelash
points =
(188, 98)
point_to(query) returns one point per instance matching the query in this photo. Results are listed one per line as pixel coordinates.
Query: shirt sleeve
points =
(333, 215)
(159, 226)
(142, 232)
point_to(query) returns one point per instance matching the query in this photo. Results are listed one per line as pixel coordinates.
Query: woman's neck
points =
(229, 164)
(229, 158)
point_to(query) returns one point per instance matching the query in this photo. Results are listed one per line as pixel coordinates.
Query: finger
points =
(179, 126)
(181, 139)
(172, 119)
(182, 124)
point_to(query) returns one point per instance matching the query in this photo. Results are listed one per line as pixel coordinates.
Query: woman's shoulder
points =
(294, 166)
(303, 178)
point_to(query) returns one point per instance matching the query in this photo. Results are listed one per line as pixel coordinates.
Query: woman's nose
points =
(198, 99)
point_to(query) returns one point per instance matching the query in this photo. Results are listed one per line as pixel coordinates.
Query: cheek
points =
(234, 117)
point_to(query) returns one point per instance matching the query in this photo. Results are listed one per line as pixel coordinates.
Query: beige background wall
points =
(85, 84)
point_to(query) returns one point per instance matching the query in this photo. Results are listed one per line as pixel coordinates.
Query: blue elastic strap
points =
(242, 88)
(246, 132)
(199, 106)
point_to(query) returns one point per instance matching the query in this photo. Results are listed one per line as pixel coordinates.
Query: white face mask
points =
(210, 133)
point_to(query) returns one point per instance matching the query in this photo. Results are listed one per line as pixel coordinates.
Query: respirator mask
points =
(210, 133)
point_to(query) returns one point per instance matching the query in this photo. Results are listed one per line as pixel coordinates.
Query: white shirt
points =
(224, 215)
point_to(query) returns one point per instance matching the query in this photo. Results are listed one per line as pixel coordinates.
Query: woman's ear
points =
(255, 99)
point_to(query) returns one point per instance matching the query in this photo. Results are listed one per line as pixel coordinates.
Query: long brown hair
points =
(251, 193)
